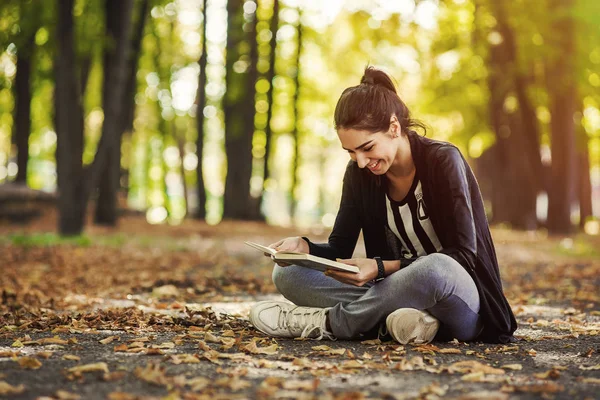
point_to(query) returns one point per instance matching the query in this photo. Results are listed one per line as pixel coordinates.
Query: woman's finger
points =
(276, 244)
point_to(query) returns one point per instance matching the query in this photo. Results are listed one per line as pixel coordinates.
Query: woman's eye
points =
(369, 148)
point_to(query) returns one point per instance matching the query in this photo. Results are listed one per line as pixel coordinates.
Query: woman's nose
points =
(362, 160)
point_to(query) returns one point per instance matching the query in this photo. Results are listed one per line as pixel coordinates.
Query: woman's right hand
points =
(292, 244)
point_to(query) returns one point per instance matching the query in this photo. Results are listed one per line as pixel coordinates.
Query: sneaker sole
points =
(411, 326)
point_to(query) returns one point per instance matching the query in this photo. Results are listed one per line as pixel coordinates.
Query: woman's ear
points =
(395, 126)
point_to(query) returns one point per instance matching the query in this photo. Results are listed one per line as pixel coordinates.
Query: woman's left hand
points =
(368, 271)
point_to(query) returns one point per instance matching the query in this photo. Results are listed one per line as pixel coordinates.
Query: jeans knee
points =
(283, 280)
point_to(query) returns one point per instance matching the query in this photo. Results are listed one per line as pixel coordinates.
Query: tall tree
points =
(561, 87)
(106, 169)
(69, 117)
(22, 93)
(239, 108)
(201, 104)
(295, 132)
(270, 77)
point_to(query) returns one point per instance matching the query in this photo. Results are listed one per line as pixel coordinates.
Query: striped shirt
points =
(409, 221)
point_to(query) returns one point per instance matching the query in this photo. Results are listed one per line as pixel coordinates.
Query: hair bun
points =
(376, 77)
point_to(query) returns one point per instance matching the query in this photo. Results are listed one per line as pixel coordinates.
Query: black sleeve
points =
(343, 237)
(451, 179)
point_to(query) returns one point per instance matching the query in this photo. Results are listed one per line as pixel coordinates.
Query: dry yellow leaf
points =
(234, 383)
(17, 343)
(309, 386)
(44, 354)
(210, 338)
(121, 396)
(165, 345)
(151, 373)
(329, 350)
(254, 349)
(229, 333)
(29, 363)
(64, 395)
(53, 340)
(450, 351)
(70, 357)
(590, 368)
(197, 384)
(107, 340)
(469, 366)
(99, 366)
(589, 380)
(514, 367)
(6, 388)
(184, 359)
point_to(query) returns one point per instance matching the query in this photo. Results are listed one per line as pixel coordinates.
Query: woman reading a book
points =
(431, 270)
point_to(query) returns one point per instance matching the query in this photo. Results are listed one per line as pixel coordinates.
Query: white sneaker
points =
(408, 325)
(283, 319)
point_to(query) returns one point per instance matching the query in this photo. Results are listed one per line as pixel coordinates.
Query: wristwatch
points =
(380, 269)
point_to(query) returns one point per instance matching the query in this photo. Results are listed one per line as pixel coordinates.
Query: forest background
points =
(218, 109)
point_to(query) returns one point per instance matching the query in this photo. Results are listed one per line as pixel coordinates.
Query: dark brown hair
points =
(370, 105)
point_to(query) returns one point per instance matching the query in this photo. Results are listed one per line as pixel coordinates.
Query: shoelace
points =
(299, 317)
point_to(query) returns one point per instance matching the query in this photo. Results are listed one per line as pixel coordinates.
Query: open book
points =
(304, 260)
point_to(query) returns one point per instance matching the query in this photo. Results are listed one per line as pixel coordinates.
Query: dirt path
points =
(161, 312)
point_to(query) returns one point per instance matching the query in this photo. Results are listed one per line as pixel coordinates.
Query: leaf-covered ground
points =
(161, 312)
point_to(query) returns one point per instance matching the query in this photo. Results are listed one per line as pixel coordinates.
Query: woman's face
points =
(375, 151)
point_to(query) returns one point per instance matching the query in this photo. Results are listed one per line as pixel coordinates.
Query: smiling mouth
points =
(374, 165)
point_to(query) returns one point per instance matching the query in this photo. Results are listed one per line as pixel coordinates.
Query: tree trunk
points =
(22, 91)
(201, 104)
(107, 163)
(239, 110)
(274, 26)
(517, 156)
(295, 133)
(71, 201)
(562, 98)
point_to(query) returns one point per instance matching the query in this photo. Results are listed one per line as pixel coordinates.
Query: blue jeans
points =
(435, 283)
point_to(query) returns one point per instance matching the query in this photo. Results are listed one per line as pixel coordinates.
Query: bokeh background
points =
(215, 109)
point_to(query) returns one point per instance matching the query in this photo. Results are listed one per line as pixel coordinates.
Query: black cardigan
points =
(456, 210)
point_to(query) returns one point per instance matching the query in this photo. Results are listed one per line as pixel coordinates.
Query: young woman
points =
(431, 270)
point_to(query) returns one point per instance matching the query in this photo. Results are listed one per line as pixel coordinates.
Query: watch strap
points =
(380, 269)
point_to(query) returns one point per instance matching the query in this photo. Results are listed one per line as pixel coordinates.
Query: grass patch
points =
(579, 246)
(47, 239)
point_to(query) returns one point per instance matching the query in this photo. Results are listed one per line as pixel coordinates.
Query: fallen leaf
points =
(309, 386)
(121, 347)
(328, 350)
(44, 354)
(184, 359)
(197, 384)
(546, 387)
(254, 349)
(99, 366)
(114, 376)
(17, 343)
(484, 395)
(121, 396)
(589, 380)
(469, 366)
(53, 340)
(514, 367)
(550, 374)
(6, 388)
(165, 345)
(70, 357)
(107, 340)
(151, 373)
(64, 395)
(450, 351)
(29, 363)
(234, 383)
(371, 342)
(590, 368)
(165, 291)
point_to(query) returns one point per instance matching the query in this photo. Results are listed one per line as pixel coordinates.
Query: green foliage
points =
(47, 240)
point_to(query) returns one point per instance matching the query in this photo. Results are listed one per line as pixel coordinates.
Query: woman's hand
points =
(368, 271)
(292, 244)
